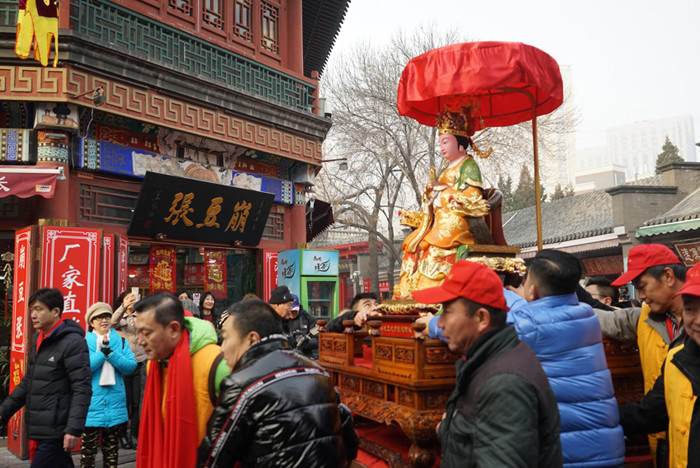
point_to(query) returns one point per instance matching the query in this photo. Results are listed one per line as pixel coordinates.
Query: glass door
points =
(320, 296)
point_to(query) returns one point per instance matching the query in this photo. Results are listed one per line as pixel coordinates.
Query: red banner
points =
(107, 268)
(21, 291)
(383, 286)
(366, 285)
(19, 339)
(612, 265)
(269, 272)
(24, 184)
(139, 276)
(194, 274)
(215, 272)
(162, 269)
(123, 271)
(70, 261)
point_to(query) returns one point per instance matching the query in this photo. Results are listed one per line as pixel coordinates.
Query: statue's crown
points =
(453, 123)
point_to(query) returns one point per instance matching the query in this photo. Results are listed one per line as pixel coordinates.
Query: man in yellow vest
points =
(657, 274)
(671, 403)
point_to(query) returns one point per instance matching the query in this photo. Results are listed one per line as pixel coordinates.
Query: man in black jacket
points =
(301, 330)
(56, 389)
(277, 408)
(502, 412)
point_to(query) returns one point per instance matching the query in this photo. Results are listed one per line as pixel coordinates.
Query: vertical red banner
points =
(19, 341)
(215, 272)
(123, 267)
(162, 269)
(107, 280)
(269, 272)
(70, 261)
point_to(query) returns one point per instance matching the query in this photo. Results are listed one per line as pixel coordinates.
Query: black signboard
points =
(178, 208)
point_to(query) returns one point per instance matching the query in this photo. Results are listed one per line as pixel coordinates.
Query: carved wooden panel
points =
(404, 354)
(406, 397)
(339, 345)
(350, 382)
(384, 352)
(373, 388)
(436, 400)
(326, 344)
(439, 356)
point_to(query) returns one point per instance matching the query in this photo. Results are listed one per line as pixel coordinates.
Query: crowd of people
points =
(186, 385)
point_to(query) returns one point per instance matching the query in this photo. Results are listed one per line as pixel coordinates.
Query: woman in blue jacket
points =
(110, 358)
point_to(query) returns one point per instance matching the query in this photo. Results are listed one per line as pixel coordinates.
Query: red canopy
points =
(490, 77)
(27, 181)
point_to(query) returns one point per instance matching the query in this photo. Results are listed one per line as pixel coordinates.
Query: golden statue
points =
(452, 212)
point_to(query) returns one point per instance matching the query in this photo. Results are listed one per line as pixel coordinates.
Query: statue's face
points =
(449, 147)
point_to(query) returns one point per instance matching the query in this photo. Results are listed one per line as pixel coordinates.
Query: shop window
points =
(182, 6)
(241, 26)
(190, 270)
(212, 14)
(9, 207)
(270, 24)
(106, 205)
(274, 228)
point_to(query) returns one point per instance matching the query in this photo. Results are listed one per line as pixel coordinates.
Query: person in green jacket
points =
(503, 411)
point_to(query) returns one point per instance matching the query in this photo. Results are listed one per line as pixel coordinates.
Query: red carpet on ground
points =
(390, 437)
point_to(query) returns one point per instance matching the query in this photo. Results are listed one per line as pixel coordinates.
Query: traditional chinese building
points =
(162, 145)
(600, 227)
(222, 92)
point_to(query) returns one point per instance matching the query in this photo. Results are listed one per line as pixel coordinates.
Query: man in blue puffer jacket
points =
(565, 336)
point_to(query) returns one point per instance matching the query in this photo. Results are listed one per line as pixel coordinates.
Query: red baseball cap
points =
(642, 257)
(692, 282)
(470, 280)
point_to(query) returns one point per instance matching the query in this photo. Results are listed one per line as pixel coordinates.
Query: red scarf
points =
(40, 338)
(173, 443)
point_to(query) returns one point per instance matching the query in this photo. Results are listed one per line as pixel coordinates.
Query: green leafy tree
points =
(669, 154)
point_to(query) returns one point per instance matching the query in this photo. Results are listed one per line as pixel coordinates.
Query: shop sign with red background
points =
(70, 261)
(139, 276)
(612, 265)
(689, 252)
(215, 272)
(269, 272)
(162, 271)
(19, 339)
(107, 281)
(367, 286)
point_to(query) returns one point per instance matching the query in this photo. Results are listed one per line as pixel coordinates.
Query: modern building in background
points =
(636, 146)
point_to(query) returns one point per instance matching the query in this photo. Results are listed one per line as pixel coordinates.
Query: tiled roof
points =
(570, 218)
(322, 20)
(576, 217)
(655, 180)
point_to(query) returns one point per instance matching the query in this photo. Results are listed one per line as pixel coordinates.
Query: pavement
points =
(127, 458)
